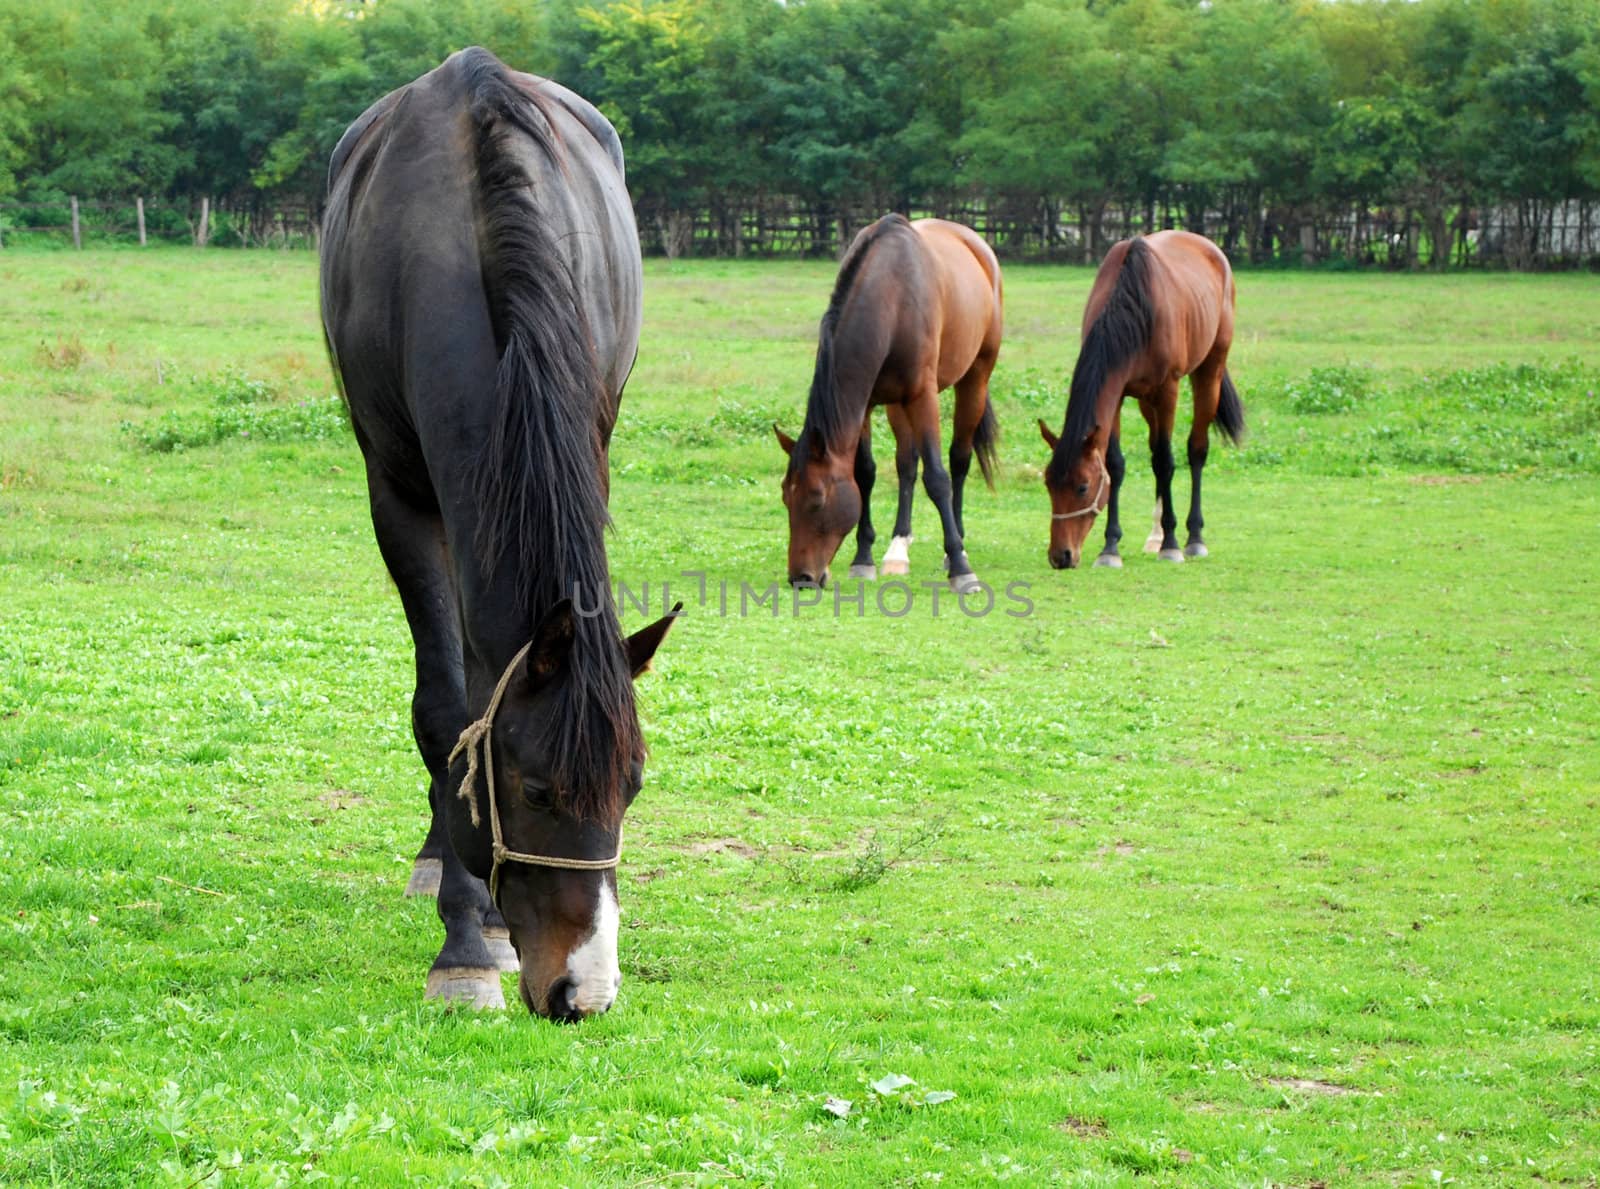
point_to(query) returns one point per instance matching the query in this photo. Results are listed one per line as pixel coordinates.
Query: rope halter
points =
(475, 741)
(1091, 507)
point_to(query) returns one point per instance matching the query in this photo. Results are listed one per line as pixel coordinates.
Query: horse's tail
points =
(540, 483)
(1120, 331)
(984, 440)
(1230, 410)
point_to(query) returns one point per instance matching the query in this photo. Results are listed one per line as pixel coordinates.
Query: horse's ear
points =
(642, 644)
(1050, 439)
(552, 641)
(1089, 439)
(784, 439)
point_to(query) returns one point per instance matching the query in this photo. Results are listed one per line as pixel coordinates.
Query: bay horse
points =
(481, 300)
(1161, 308)
(916, 309)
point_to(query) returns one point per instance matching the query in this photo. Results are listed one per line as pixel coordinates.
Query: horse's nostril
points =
(559, 1002)
(802, 579)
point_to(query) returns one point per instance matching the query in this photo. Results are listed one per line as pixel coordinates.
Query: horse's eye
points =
(536, 792)
(1083, 489)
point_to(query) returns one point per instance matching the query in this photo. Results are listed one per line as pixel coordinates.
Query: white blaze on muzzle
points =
(592, 970)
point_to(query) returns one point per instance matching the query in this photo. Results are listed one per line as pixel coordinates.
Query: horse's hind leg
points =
(1206, 383)
(972, 401)
(412, 543)
(1160, 413)
(898, 558)
(866, 476)
(923, 411)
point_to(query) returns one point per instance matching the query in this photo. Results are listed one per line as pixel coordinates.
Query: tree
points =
(17, 96)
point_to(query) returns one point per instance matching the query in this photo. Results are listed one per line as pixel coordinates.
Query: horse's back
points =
(1191, 301)
(967, 276)
(405, 304)
(1198, 270)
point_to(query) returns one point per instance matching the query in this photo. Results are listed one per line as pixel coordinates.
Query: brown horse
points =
(1161, 309)
(915, 309)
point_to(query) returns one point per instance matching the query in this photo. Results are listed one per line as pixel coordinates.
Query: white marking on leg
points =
(898, 559)
(592, 968)
(1158, 535)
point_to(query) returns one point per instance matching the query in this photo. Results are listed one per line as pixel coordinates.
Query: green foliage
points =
(241, 408)
(1222, 111)
(1331, 389)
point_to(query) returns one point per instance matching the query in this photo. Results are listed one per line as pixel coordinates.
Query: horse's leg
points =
(412, 543)
(1160, 413)
(923, 411)
(1116, 468)
(1152, 417)
(866, 475)
(898, 558)
(972, 400)
(1206, 383)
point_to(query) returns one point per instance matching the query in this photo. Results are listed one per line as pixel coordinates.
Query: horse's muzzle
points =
(1063, 559)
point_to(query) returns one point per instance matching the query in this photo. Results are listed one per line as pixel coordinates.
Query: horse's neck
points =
(500, 608)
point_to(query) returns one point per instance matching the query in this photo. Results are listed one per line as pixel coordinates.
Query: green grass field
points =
(1278, 868)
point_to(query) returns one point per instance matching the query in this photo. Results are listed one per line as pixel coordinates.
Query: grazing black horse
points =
(481, 300)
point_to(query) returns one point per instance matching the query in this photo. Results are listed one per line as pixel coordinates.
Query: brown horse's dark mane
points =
(828, 421)
(1119, 333)
(541, 499)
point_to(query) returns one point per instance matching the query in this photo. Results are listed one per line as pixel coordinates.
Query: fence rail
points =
(140, 220)
(1519, 236)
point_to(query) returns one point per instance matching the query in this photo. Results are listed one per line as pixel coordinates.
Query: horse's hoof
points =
(497, 939)
(868, 571)
(1173, 554)
(470, 986)
(1153, 544)
(1194, 549)
(965, 583)
(891, 568)
(424, 879)
(1112, 560)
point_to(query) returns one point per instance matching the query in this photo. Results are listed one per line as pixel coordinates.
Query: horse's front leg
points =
(897, 560)
(866, 476)
(1116, 468)
(475, 948)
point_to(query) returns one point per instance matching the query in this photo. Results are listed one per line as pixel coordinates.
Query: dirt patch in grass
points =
(1083, 1128)
(342, 799)
(1313, 1086)
(717, 846)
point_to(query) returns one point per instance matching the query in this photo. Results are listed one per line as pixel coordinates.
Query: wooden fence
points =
(1521, 236)
(138, 220)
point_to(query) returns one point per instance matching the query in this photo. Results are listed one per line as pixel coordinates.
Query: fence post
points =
(204, 232)
(77, 235)
(139, 206)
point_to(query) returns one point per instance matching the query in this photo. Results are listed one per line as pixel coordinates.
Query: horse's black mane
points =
(541, 498)
(825, 424)
(1120, 332)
